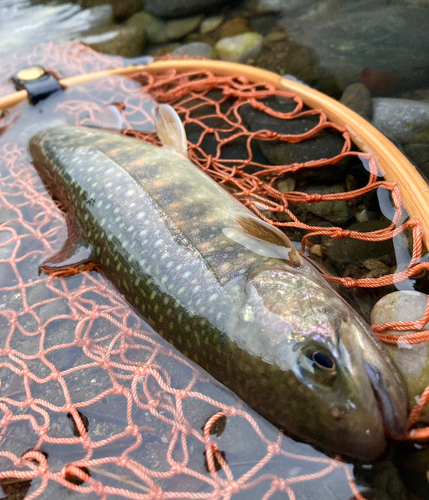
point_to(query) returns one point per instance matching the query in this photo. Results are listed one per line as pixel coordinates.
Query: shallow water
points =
(31, 22)
(36, 222)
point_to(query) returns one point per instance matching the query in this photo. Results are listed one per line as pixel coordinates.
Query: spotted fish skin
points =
(155, 223)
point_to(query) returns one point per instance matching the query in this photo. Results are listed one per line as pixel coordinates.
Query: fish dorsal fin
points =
(170, 130)
(262, 238)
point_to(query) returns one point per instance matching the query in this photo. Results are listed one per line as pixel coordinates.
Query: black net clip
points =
(38, 83)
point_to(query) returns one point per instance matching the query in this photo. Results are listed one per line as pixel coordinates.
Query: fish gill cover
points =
(92, 401)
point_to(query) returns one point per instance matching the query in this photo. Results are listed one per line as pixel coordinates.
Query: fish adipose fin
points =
(262, 238)
(170, 130)
(75, 256)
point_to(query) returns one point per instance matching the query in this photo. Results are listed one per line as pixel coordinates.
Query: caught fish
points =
(224, 287)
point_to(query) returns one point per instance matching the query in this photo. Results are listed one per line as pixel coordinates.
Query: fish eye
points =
(318, 363)
(323, 361)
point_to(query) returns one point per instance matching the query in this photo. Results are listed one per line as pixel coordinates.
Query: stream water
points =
(329, 45)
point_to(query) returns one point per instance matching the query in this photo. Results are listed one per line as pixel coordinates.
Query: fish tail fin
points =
(170, 130)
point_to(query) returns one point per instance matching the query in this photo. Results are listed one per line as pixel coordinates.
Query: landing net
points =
(92, 401)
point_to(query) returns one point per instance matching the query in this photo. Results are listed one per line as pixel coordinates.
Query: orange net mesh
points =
(92, 401)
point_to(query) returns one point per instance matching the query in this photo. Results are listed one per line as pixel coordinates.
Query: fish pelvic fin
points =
(170, 130)
(262, 238)
(75, 256)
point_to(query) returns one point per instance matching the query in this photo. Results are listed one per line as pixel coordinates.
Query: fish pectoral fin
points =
(262, 238)
(75, 256)
(170, 130)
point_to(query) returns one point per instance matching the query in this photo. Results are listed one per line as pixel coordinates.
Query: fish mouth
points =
(383, 398)
(386, 383)
(391, 402)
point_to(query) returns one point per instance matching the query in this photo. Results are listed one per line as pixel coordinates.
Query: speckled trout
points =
(227, 289)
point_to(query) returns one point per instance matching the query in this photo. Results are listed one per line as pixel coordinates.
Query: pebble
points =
(364, 215)
(344, 251)
(317, 250)
(358, 98)
(376, 268)
(411, 359)
(338, 211)
(286, 185)
(181, 27)
(239, 48)
(159, 31)
(234, 27)
(210, 24)
(402, 120)
(126, 8)
(195, 49)
(179, 8)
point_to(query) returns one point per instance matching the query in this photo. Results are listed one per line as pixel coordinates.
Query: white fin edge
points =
(281, 247)
(170, 130)
(256, 246)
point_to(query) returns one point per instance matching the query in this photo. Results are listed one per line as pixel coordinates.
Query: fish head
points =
(336, 385)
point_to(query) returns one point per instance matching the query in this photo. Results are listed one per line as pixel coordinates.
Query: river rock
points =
(348, 37)
(403, 120)
(358, 98)
(338, 212)
(210, 24)
(124, 40)
(400, 306)
(411, 359)
(418, 95)
(234, 27)
(419, 155)
(123, 9)
(286, 185)
(344, 251)
(179, 8)
(159, 31)
(283, 55)
(324, 144)
(195, 49)
(239, 48)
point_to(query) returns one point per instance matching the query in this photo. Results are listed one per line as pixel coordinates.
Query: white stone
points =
(239, 48)
(403, 306)
(399, 306)
(195, 49)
